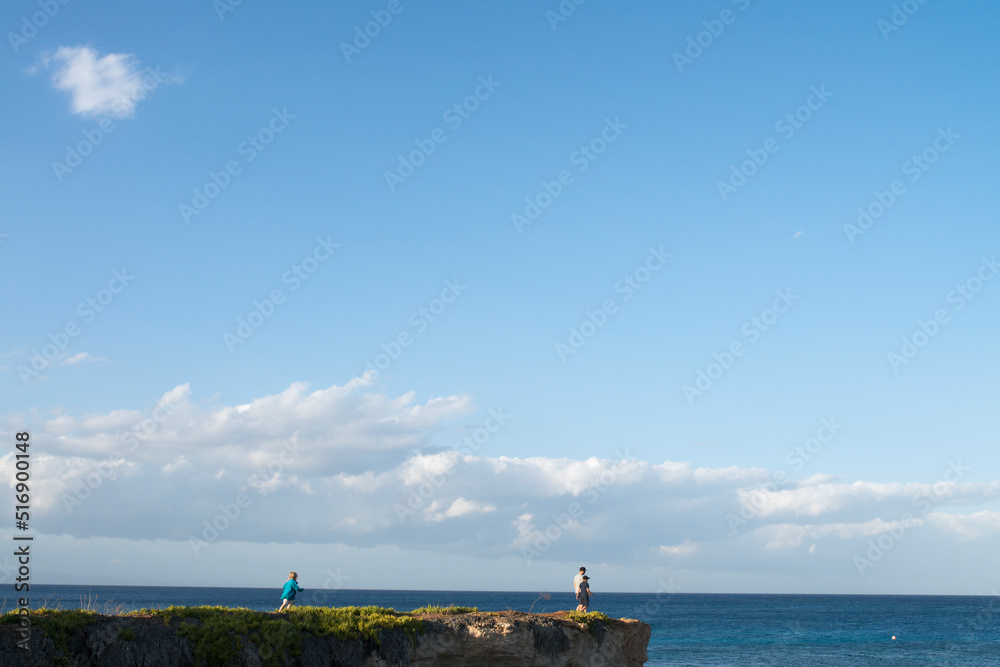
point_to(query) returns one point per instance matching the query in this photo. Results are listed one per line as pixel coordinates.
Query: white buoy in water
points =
(894, 638)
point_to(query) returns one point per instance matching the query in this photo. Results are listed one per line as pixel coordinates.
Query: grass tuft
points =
(347, 623)
(595, 621)
(450, 609)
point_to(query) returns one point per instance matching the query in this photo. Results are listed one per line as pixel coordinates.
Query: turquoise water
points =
(688, 629)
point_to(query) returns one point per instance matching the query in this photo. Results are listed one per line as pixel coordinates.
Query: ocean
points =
(688, 629)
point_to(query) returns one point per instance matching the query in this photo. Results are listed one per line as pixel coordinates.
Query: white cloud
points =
(815, 499)
(179, 466)
(462, 507)
(348, 465)
(111, 84)
(790, 535)
(80, 357)
(968, 526)
(679, 549)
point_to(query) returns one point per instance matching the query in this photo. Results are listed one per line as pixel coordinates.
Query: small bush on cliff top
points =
(595, 621)
(347, 623)
(450, 609)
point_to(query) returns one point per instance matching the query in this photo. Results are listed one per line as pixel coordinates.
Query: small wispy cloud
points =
(798, 234)
(98, 85)
(461, 507)
(79, 358)
(679, 549)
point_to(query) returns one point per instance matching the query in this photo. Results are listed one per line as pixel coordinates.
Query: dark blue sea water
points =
(688, 629)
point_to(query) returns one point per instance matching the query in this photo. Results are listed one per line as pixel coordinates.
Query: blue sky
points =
(329, 127)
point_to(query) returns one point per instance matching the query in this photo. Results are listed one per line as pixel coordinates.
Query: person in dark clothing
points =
(583, 594)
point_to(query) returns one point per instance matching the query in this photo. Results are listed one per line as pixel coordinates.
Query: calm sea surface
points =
(688, 629)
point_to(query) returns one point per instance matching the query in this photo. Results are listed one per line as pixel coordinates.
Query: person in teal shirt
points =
(288, 592)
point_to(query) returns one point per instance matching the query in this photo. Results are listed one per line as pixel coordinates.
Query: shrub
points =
(450, 609)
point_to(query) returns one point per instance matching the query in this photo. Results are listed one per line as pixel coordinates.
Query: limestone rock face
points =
(509, 639)
(482, 639)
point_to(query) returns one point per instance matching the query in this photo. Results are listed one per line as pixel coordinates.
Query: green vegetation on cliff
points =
(450, 609)
(59, 625)
(595, 621)
(218, 633)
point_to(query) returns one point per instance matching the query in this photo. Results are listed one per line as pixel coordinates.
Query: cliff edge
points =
(312, 636)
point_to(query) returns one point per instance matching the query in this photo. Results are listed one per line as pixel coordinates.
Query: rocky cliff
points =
(243, 637)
